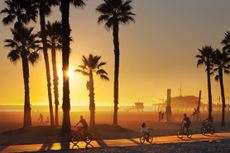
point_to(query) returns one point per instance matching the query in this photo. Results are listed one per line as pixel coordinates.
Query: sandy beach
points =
(11, 124)
(129, 120)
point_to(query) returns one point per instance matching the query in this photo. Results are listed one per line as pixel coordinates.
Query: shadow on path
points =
(2, 148)
(102, 143)
(46, 147)
(134, 141)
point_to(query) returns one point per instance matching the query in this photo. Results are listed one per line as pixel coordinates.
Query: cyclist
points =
(186, 122)
(207, 123)
(145, 130)
(84, 125)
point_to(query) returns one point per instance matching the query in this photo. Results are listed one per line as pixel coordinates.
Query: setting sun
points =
(70, 73)
(115, 76)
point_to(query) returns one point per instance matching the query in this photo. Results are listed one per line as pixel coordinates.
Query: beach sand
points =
(129, 120)
(11, 132)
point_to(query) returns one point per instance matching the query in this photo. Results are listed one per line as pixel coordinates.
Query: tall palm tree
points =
(19, 12)
(53, 31)
(65, 60)
(89, 67)
(24, 46)
(205, 57)
(114, 13)
(221, 62)
(44, 7)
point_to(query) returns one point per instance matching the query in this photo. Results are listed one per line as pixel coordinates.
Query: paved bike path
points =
(112, 143)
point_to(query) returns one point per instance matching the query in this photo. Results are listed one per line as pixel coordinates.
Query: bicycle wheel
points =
(88, 138)
(150, 139)
(189, 133)
(75, 139)
(180, 133)
(203, 130)
(142, 139)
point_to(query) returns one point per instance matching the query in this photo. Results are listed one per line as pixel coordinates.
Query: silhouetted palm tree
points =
(19, 11)
(226, 42)
(53, 31)
(114, 13)
(205, 57)
(44, 7)
(221, 62)
(24, 46)
(90, 66)
(65, 60)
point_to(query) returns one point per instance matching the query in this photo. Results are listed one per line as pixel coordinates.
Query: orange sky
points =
(157, 52)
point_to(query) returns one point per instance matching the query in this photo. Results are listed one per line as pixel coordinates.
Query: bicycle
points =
(184, 131)
(146, 137)
(78, 136)
(207, 128)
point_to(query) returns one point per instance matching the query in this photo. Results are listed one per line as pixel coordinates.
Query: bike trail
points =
(217, 137)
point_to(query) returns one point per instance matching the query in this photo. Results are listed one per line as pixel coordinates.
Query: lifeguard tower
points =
(139, 106)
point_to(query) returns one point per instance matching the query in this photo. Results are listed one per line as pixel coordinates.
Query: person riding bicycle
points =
(84, 125)
(145, 130)
(207, 123)
(186, 122)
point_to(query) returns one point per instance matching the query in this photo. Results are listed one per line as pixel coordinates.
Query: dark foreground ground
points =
(200, 147)
(197, 147)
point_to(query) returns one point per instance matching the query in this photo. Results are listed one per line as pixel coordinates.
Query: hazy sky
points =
(157, 52)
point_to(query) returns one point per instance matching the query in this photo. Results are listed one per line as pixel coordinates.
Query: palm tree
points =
(114, 13)
(205, 57)
(44, 7)
(19, 11)
(221, 62)
(90, 66)
(65, 60)
(24, 46)
(226, 42)
(53, 31)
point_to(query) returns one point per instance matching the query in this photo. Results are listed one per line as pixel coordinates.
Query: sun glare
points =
(70, 73)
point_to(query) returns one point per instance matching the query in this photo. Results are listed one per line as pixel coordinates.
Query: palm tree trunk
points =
(27, 108)
(116, 71)
(55, 82)
(222, 96)
(209, 93)
(91, 101)
(65, 66)
(46, 58)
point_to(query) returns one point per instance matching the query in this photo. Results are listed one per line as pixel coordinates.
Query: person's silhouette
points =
(41, 119)
(83, 123)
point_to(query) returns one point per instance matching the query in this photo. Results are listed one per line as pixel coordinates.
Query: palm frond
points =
(226, 39)
(200, 62)
(11, 43)
(101, 64)
(101, 71)
(82, 72)
(14, 55)
(78, 3)
(83, 67)
(217, 77)
(226, 71)
(33, 57)
(104, 77)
